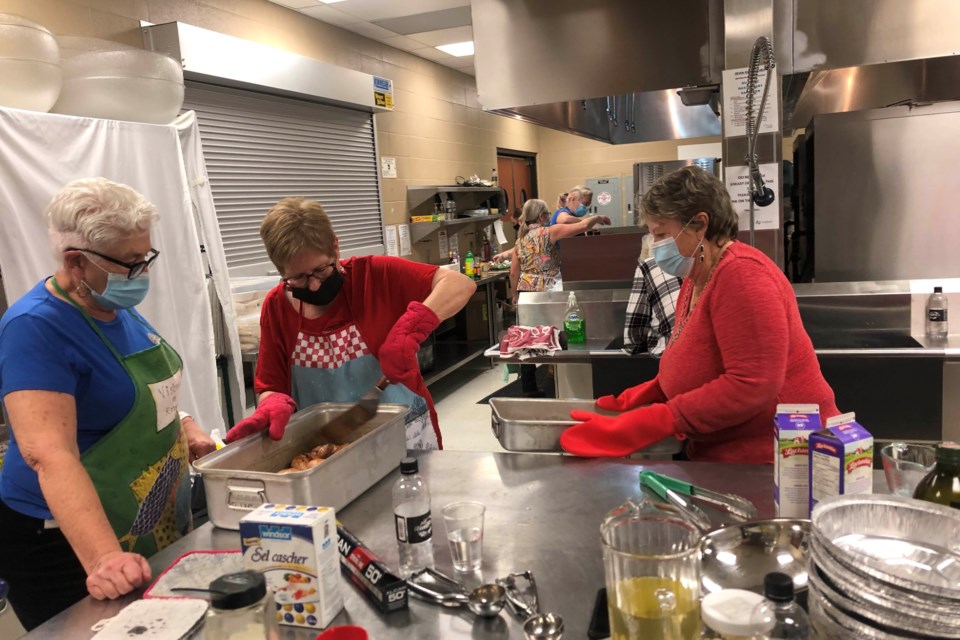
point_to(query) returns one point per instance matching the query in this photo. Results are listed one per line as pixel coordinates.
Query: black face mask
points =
(324, 294)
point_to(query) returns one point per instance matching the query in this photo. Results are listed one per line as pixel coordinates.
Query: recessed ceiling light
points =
(458, 49)
(329, 1)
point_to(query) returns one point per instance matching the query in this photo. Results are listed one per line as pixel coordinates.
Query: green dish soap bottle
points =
(574, 324)
(468, 264)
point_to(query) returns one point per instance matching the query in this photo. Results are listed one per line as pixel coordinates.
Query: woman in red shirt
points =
(738, 346)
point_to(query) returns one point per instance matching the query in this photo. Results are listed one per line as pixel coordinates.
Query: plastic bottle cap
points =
(237, 590)
(409, 466)
(938, 289)
(737, 612)
(778, 586)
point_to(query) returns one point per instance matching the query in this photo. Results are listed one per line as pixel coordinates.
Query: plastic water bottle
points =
(792, 621)
(574, 324)
(937, 315)
(411, 512)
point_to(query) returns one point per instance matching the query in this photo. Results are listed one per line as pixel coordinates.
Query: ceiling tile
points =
(463, 61)
(296, 4)
(444, 36)
(446, 19)
(371, 31)
(323, 13)
(432, 54)
(403, 42)
(373, 10)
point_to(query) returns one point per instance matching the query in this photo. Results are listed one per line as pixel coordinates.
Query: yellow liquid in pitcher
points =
(636, 614)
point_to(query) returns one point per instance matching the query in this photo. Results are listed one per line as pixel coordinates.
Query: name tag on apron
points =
(166, 395)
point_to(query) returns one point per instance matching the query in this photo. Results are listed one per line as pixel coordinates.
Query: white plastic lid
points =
(737, 612)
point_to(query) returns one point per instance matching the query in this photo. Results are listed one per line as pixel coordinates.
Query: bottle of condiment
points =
(486, 251)
(411, 511)
(942, 484)
(792, 622)
(468, 264)
(936, 328)
(574, 324)
(241, 608)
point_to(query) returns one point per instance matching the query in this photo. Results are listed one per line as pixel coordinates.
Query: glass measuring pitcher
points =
(651, 561)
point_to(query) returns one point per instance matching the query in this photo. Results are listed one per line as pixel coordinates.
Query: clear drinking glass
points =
(651, 561)
(464, 523)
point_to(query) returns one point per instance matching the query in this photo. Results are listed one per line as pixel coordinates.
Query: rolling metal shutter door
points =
(260, 148)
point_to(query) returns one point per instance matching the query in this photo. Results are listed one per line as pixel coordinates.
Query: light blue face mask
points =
(121, 292)
(580, 211)
(669, 258)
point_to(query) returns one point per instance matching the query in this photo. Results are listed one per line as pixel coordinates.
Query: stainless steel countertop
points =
(543, 514)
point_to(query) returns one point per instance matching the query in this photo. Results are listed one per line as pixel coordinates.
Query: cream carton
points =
(295, 548)
(792, 426)
(841, 459)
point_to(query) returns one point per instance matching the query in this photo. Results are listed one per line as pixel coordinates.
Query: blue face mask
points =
(580, 211)
(669, 258)
(122, 292)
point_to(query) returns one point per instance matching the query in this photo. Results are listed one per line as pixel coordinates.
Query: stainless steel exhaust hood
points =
(607, 70)
(554, 63)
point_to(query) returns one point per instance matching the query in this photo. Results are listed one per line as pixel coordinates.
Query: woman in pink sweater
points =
(738, 346)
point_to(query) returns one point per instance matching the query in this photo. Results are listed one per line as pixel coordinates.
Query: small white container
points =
(29, 64)
(737, 614)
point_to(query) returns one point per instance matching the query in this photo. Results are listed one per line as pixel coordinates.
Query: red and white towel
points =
(525, 342)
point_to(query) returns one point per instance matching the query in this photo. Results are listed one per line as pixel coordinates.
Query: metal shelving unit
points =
(420, 230)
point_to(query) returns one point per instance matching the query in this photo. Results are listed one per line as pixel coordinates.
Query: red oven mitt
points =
(274, 412)
(617, 436)
(398, 354)
(634, 397)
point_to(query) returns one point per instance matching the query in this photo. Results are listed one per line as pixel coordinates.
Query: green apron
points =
(140, 467)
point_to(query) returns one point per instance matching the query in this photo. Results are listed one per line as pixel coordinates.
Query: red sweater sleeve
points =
(749, 322)
(383, 288)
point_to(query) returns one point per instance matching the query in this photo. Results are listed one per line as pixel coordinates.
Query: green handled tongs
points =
(675, 491)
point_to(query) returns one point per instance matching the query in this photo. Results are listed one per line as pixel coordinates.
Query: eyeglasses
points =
(320, 273)
(134, 268)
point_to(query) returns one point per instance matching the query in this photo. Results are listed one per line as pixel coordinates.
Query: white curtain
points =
(40, 153)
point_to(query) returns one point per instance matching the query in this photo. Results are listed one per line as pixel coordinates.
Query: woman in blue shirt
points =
(96, 475)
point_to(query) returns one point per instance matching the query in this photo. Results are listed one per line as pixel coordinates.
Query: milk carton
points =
(295, 548)
(793, 425)
(841, 459)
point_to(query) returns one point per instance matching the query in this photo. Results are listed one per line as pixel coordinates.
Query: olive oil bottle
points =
(942, 484)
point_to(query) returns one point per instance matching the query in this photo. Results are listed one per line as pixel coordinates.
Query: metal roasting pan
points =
(535, 425)
(241, 476)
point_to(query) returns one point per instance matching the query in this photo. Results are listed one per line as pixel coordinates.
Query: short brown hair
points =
(684, 193)
(293, 225)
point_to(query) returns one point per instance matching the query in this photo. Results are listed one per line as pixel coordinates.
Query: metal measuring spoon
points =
(485, 601)
(536, 625)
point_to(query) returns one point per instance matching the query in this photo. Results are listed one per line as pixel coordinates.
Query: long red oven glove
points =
(634, 397)
(617, 436)
(398, 354)
(274, 412)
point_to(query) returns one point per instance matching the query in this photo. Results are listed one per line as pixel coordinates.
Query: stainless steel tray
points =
(240, 477)
(522, 424)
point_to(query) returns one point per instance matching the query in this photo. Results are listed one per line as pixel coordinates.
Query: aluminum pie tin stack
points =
(884, 567)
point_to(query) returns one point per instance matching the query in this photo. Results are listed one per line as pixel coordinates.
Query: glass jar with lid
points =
(241, 608)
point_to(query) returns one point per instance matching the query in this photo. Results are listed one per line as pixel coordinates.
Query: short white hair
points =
(94, 213)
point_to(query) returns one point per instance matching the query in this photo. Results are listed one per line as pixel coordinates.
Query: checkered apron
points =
(337, 366)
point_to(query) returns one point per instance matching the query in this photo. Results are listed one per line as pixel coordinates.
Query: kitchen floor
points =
(466, 424)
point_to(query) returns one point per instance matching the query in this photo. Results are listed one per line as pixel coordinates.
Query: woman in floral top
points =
(536, 262)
